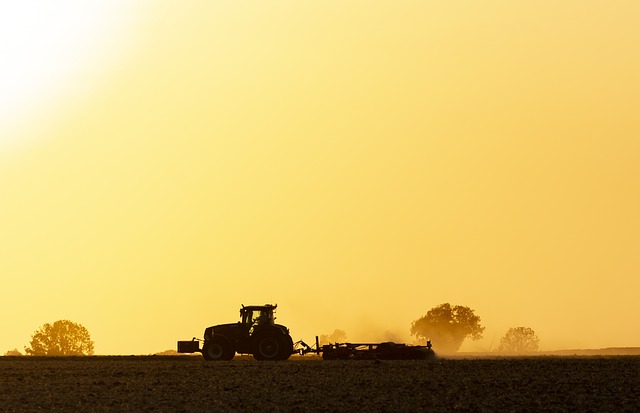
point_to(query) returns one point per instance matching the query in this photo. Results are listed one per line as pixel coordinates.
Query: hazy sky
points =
(355, 162)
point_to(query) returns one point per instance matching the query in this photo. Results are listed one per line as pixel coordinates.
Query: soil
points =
(188, 383)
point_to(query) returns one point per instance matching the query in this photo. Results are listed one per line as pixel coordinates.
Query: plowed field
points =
(174, 384)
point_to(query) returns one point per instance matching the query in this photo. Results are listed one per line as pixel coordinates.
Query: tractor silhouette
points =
(255, 334)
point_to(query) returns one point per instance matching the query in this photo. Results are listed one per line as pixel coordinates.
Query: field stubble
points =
(188, 384)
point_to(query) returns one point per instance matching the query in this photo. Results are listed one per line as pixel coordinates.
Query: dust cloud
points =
(365, 335)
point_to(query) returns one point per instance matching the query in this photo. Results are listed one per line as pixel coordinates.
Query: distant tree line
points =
(519, 340)
(449, 326)
(62, 338)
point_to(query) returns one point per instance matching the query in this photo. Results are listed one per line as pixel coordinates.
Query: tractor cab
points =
(257, 315)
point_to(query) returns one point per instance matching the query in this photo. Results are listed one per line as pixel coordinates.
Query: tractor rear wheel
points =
(287, 349)
(217, 349)
(270, 347)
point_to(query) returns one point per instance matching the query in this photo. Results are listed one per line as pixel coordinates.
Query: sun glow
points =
(52, 51)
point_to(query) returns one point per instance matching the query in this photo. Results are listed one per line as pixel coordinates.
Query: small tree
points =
(519, 340)
(13, 353)
(338, 336)
(447, 327)
(62, 338)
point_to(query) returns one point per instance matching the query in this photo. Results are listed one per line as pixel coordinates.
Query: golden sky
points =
(356, 162)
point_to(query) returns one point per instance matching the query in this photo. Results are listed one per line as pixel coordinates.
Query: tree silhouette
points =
(338, 336)
(62, 338)
(519, 340)
(447, 327)
(13, 353)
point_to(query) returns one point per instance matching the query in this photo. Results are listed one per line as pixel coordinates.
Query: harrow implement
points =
(367, 351)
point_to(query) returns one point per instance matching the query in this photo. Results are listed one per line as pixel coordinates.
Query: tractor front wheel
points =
(217, 349)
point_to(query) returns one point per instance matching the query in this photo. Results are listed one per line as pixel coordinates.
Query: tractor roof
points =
(258, 307)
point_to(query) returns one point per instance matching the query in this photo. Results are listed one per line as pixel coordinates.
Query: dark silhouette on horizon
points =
(62, 338)
(447, 327)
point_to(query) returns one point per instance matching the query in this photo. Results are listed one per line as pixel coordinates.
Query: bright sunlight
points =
(49, 49)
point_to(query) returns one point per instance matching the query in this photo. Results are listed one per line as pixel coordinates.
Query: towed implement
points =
(367, 351)
(376, 351)
(257, 334)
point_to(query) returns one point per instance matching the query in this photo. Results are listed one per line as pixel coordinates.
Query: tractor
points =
(255, 334)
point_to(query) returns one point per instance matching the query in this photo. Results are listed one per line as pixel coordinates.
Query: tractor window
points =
(249, 318)
(265, 317)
